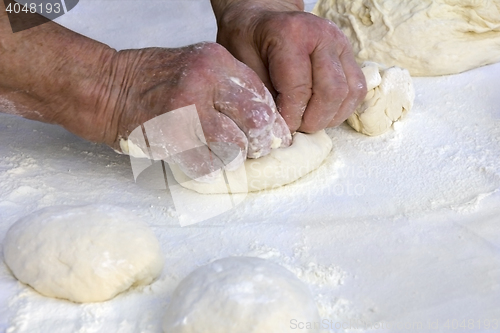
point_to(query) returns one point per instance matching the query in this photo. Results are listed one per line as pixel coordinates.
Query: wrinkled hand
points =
(233, 105)
(305, 61)
(51, 74)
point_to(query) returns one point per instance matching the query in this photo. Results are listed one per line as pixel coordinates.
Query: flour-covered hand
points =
(233, 107)
(304, 60)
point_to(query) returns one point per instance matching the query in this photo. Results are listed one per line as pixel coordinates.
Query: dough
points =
(390, 96)
(427, 37)
(240, 295)
(282, 166)
(83, 254)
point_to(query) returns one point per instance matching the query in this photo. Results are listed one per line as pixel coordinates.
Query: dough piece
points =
(282, 166)
(83, 254)
(240, 295)
(427, 37)
(390, 96)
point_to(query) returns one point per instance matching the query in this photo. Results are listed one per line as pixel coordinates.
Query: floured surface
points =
(402, 227)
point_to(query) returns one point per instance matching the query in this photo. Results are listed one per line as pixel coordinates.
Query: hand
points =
(233, 106)
(51, 74)
(305, 61)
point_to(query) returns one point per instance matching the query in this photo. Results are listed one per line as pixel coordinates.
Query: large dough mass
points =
(240, 295)
(83, 254)
(282, 166)
(427, 37)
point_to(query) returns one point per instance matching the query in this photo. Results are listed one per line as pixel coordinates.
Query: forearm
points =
(54, 75)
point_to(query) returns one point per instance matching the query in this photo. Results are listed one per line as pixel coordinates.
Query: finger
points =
(199, 164)
(246, 54)
(261, 70)
(330, 89)
(203, 143)
(175, 137)
(225, 139)
(290, 72)
(246, 101)
(281, 132)
(357, 87)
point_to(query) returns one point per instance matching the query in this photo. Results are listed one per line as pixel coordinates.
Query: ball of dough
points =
(240, 295)
(427, 37)
(280, 167)
(83, 254)
(390, 96)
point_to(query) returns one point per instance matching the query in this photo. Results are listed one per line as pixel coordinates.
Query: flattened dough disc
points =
(282, 166)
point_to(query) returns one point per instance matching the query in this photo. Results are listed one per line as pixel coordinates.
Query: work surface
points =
(399, 229)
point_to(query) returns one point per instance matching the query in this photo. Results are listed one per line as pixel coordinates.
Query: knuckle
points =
(297, 94)
(339, 91)
(204, 63)
(293, 22)
(300, 93)
(333, 32)
(208, 53)
(212, 48)
(334, 29)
